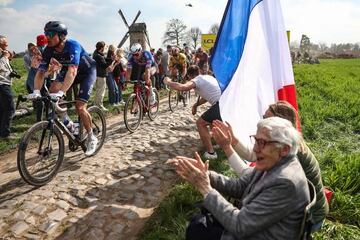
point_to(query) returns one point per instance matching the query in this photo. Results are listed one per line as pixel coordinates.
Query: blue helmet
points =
(56, 26)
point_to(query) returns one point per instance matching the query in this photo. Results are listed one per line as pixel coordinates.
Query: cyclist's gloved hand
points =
(57, 95)
(36, 94)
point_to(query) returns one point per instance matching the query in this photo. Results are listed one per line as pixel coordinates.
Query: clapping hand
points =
(193, 171)
(226, 132)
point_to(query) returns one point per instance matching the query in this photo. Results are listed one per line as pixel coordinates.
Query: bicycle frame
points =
(52, 119)
(139, 90)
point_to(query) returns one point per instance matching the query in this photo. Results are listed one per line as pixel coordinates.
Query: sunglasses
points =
(50, 34)
(136, 54)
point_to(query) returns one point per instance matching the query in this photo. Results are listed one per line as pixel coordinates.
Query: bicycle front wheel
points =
(40, 154)
(154, 109)
(133, 113)
(98, 126)
(173, 99)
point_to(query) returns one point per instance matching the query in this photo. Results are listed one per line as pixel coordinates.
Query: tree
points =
(214, 29)
(175, 33)
(323, 47)
(194, 36)
(304, 44)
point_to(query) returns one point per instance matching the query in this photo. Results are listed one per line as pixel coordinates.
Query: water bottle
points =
(76, 128)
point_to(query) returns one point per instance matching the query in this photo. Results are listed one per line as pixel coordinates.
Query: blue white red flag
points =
(251, 60)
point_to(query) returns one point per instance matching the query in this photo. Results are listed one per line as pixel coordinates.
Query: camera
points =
(14, 74)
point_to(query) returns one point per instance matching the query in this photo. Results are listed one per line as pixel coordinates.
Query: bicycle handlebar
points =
(54, 101)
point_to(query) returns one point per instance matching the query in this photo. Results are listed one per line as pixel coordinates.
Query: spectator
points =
(235, 149)
(101, 66)
(110, 81)
(120, 72)
(41, 42)
(188, 55)
(209, 91)
(35, 53)
(272, 196)
(27, 56)
(165, 60)
(157, 57)
(7, 108)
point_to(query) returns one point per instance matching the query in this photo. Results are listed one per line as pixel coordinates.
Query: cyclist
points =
(73, 66)
(141, 65)
(178, 63)
(208, 89)
(201, 59)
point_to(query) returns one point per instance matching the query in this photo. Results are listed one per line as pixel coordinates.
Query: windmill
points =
(136, 31)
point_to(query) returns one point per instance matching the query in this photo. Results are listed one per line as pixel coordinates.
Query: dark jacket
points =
(272, 205)
(101, 64)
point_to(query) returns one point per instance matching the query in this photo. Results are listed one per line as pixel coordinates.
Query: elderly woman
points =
(235, 150)
(273, 195)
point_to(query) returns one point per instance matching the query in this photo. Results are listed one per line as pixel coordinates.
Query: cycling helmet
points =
(56, 26)
(135, 48)
(175, 51)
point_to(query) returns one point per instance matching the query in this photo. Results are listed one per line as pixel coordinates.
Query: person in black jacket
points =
(101, 65)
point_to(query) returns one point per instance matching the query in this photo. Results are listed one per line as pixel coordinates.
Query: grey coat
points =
(272, 202)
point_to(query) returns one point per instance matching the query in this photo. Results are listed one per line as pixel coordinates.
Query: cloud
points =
(4, 3)
(22, 26)
(79, 8)
(89, 22)
(326, 21)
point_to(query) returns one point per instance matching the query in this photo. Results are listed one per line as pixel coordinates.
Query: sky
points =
(89, 21)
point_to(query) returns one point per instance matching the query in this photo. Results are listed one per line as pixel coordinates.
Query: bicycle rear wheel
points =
(133, 113)
(154, 109)
(173, 99)
(98, 125)
(40, 154)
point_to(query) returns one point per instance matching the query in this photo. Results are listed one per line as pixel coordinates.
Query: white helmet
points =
(135, 48)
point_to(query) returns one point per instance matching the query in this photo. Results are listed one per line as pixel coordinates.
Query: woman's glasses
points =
(261, 143)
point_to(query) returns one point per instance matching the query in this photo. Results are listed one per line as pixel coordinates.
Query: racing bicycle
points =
(138, 103)
(176, 96)
(42, 148)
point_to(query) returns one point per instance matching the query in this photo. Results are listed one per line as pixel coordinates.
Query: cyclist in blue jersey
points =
(141, 65)
(72, 65)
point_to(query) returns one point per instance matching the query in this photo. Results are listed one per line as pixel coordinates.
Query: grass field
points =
(329, 105)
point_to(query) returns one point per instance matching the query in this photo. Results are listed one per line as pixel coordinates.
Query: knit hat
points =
(41, 40)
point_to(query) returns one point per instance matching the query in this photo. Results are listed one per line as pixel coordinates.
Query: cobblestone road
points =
(107, 196)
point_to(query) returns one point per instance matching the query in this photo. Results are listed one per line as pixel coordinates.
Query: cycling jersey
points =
(138, 66)
(73, 54)
(179, 61)
(146, 60)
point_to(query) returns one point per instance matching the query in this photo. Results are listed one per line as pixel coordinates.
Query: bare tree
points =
(194, 36)
(175, 32)
(323, 46)
(214, 29)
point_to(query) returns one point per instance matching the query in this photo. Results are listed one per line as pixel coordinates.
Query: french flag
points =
(251, 60)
